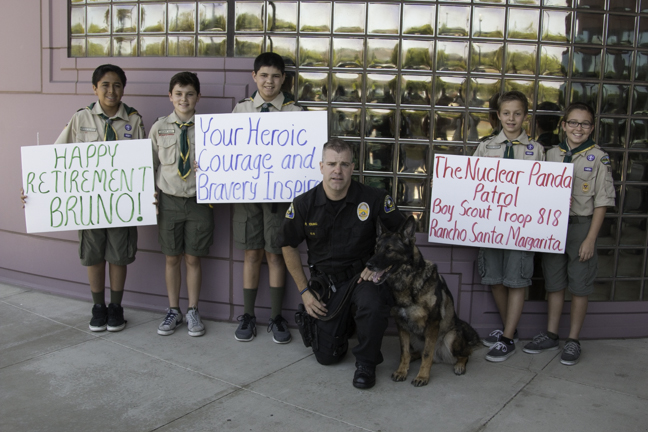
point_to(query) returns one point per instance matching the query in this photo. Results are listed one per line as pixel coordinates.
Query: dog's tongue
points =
(377, 276)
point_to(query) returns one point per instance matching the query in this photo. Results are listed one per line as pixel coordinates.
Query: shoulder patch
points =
(605, 160)
(389, 204)
(290, 214)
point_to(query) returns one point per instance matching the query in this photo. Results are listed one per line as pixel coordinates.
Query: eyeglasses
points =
(574, 124)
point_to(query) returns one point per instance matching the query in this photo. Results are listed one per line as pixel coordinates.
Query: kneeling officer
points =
(337, 219)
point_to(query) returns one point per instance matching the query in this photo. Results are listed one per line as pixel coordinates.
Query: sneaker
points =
(99, 320)
(172, 320)
(571, 353)
(116, 321)
(493, 337)
(500, 352)
(540, 343)
(246, 329)
(194, 324)
(279, 328)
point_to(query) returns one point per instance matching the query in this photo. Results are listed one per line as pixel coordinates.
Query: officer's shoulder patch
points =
(290, 214)
(605, 160)
(389, 204)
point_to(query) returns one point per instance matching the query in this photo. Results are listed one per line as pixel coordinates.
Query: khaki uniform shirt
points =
(249, 105)
(495, 147)
(165, 137)
(87, 126)
(593, 184)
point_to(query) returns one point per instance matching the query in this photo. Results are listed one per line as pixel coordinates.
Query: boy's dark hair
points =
(337, 145)
(547, 122)
(269, 59)
(185, 79)
(514, 95)
(104, 69)
(579, 106)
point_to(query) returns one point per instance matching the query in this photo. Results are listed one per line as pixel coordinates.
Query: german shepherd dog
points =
(424, 307)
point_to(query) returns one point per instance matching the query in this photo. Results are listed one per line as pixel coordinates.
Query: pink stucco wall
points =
(40, 88)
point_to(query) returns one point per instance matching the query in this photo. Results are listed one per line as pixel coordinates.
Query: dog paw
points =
(459, 369)
(399, 376)
(420, 382)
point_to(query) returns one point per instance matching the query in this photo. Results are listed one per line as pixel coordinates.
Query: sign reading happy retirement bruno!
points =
(258, 157)
(88, 185)
(500, 203)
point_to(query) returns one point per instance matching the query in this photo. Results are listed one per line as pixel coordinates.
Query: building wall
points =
(40, 89)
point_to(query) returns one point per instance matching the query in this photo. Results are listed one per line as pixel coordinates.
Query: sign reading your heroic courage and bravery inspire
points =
(500, 203)
(88, 185)
(258, 157)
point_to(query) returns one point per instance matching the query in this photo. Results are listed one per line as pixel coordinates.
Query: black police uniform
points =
(341, 237)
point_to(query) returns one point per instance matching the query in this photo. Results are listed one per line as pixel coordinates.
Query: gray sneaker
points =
(172, 320)
(246, 329)
(194, 324)
(500, 352)
(279, 328)
(571, 353)
(493, 337)
(540, 343)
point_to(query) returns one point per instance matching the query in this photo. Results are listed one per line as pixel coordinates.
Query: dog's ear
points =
(409, 227)
(380, 227)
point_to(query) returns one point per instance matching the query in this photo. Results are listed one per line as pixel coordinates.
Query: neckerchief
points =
(509, 153)
(184, 165)
(569, 152)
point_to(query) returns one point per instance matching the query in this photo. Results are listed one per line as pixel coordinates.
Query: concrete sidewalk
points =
(56, 375)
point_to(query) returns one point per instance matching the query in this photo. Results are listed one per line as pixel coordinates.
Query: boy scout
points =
(257, 224)
(592, 193)
(185, 228)
(508, 272)
(108, 119)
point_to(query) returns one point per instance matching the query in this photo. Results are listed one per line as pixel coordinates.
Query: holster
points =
(307, 327)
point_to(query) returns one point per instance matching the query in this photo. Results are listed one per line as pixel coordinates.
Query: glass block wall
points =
(406, 80)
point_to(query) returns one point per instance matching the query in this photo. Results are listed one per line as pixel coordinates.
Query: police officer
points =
(337, 219)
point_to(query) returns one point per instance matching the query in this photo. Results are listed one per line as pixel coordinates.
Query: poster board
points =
(258, 157)
(88, 185)
(500, 203)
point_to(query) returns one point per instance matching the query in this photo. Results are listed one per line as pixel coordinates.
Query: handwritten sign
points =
(88, 185)
(500, 203)
(258, 157)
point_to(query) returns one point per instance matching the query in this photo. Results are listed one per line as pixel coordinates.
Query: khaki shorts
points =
(257, 227)
(184, 226)
(115, 245)
(511, 268)
(565, 270)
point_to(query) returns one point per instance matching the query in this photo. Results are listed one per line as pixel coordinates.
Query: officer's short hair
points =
(185, 79)
(337, 145)
(104, 69)
(269, 59)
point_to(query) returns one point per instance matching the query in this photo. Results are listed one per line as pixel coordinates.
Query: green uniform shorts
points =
(184, 226)
(257, 227)
(565, 270)
(115, 245)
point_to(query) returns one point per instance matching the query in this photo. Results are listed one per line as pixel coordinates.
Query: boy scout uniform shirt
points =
(254, 104)
(338, 241)
(165, 138)
(593, 185)
(87, 126)
(496, 146)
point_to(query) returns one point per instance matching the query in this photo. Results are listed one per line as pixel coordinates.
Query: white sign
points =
(500, 203)
(258, 157)
(88, 185)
